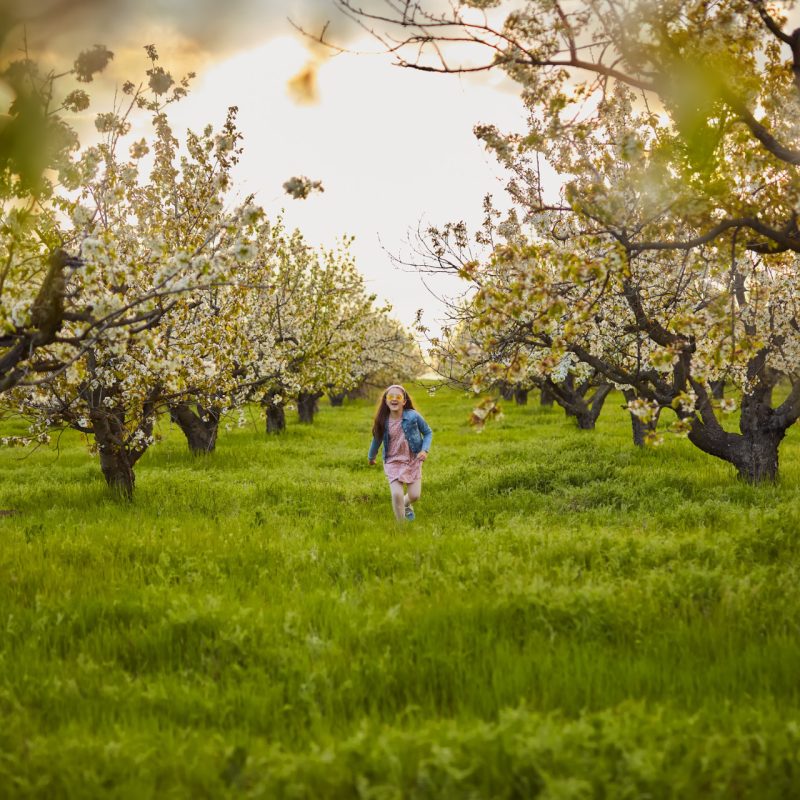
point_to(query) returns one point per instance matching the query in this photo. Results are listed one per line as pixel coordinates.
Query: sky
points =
(393, 147)
(394, 150)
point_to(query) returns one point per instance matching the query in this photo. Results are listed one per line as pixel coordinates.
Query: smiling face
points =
(395, 399)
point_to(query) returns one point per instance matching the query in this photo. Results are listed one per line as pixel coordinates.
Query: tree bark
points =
(639, 428)
(360, 392)
(276, 419)
(506, 390)
(118, 472)
(199, 428)
(116, 461)
(307, 406)
(337, 399)
(47, 317)
(757, 457)
(754, 454)
(276, 413)
(573, 400)
(546, 398)
(521, 397)
(753, 451)
(587, 417)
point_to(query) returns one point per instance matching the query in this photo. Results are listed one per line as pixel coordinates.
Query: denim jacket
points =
(418, 435)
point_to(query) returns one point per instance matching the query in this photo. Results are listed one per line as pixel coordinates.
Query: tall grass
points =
(568, 617)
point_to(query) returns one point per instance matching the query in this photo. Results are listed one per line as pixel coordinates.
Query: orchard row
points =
(132, 287)
(652, 242)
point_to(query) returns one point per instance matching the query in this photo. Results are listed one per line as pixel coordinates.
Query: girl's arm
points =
(373, 449)
(427, 433)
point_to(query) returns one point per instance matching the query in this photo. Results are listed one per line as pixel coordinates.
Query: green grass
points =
(568, 617)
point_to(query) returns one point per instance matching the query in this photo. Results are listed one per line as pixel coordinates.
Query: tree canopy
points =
(667, 260)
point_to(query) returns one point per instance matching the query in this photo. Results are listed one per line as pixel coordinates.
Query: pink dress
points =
(399, 464)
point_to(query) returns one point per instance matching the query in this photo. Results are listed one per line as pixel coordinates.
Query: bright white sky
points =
(394, 148)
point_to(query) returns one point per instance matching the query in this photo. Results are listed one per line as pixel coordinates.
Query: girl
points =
(406, 440)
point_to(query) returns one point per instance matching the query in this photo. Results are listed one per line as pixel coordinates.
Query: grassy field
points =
(569, 617)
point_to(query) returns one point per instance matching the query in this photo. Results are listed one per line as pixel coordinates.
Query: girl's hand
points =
(422, 455)
(372, 462)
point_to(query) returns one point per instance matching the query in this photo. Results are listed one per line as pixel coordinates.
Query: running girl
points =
(406, 440)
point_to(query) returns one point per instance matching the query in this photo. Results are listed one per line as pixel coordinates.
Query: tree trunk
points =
(640, 428)
(276, 413)
(116, 461)
(276, 419)
(337, 399)
(200, 429)
(717, 389)
(754, 451)
(546, 398)
(573, 401)
(521, 397)
(360, 392)
(599, 398)
(755, 455)
(307, 406)
(47, 317)
(118, 471)
(757, 459)
(506, 390)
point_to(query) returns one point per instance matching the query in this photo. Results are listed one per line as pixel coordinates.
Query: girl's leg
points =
(414, 491)
(398, 505)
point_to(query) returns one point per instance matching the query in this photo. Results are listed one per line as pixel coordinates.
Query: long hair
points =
(382, 412)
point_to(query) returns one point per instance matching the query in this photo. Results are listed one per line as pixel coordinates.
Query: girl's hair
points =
(382, 411)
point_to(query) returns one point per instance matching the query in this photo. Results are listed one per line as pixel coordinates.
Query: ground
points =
(567, 617)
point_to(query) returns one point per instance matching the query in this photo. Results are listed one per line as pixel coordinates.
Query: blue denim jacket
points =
(418, 435)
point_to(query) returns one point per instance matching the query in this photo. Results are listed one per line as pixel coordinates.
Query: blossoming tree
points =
(166, 246)
(307, 326)
(668, 261)
(389, 353)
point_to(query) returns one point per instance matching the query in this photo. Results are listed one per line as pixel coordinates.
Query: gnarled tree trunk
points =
(337, 399)
(46, 317)
(275, 412)
(307, 406)
(506, 390)
(521, 397)
(754, 454)
(199, 428)
(573, 399)
(122, 433)
(117, 456)
(116, 465)
(361, 391)
(754, 451)
(587, 415)
(546, 397)
(639, 428)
